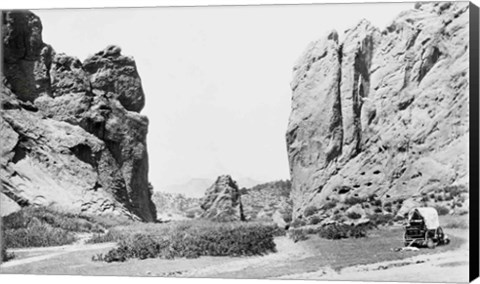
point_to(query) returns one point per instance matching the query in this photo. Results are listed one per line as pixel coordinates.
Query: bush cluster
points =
(297, 235)
(194, 239)
(380, 219)
(298, 223)
(329, 205)
(342, 231)
(353, 215)
(37, 234)
(442, 210)
(315, 220)
(354, 200)
(310, 210)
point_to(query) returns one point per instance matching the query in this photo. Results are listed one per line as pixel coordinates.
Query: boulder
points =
(110, 71)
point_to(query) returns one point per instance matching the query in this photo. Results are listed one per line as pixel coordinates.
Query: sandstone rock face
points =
(222, 201)
(71, 142)
(382, 115)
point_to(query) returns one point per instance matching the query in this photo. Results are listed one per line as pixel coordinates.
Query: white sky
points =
(216, 79)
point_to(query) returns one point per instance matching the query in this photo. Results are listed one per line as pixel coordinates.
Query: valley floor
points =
(371, 258)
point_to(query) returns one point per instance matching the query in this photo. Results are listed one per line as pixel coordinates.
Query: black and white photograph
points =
(301, 142)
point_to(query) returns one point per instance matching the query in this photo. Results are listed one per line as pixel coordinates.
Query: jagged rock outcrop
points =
(222, 201)
(74, 138)
(382, 117)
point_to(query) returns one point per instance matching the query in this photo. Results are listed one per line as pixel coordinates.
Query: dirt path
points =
(370, 258)
(51, 252)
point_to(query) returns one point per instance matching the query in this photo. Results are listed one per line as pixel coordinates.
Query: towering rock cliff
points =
(72, 135)
(382, 115)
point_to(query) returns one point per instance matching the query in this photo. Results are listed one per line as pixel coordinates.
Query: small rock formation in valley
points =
(380, 118)
(222, 201)
(72, 135)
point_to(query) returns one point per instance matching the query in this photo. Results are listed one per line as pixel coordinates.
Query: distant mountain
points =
(247, 182)
(192, 188)
(173, 206)
(196, 187)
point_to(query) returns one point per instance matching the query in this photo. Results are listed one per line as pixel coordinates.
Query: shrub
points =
(37, 234)
(455, 190)
(442, 210)
(4, 256)
(113, 235)
(298, 235)
(315, 220)
(310, 210)
(354, 215)
(298, 223)
(194, 239)
(40, 227)
(287, 217)
(342, 231)
(380, 219)
(354, 200)
(329, 205)
(425, 198)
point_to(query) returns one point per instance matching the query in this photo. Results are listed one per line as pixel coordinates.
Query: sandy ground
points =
(302, 260)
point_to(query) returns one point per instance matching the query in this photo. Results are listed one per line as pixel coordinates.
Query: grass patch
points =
(191, 240)
(42, 227)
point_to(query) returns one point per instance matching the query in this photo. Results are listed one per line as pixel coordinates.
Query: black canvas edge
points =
(474, 143)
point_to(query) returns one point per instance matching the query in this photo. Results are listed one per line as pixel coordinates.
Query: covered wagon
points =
(423, 228)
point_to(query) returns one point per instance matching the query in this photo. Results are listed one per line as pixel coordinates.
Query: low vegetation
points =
(42, 227)
(190, 239)
(342, 231)
(442, 210)
(354, 200)
(310, 210)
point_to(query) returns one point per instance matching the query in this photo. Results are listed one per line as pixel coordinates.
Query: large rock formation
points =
(72, 136)
(222, 201)
(382, 115)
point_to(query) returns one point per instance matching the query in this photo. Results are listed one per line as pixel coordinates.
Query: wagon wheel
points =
(440, 235)
(431, 244)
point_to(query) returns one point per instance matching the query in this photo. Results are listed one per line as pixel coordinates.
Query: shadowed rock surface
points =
(380, 119)
(72, 136)
(222, 201)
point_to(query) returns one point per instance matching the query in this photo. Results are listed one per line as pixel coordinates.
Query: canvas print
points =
(324, 142)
